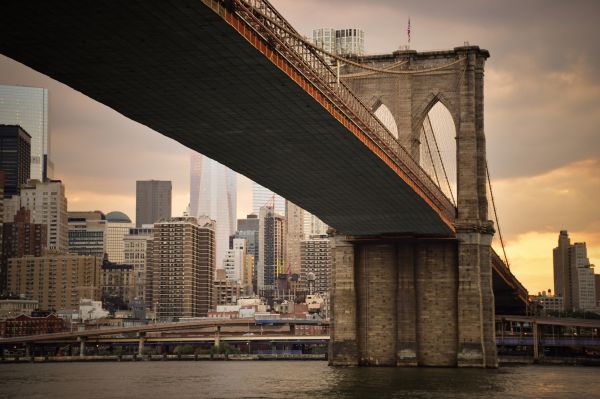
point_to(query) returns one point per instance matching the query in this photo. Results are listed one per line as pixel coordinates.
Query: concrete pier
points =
(406, 303)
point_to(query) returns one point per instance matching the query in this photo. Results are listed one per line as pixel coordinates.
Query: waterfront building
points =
(317, 258)
(21, 238)
(15, 158)
(184, 267)
(23, 325)
(117, 227)
(48, 205)
(87, 233)
(55, 280)
(213, 195)
(152, 201)
(28, 108)
(13, 307)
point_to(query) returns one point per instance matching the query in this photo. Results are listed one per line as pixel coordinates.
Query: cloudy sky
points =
(542, 116)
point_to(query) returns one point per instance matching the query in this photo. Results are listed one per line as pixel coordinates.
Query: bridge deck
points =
(180, 69)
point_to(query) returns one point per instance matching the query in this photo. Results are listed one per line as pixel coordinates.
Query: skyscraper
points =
(213, 195)
(48, 205)
(271, 254)
(152, 201)
(262, 196)
(184, 267)
(28, 108)
(573, 275)
(15, 158)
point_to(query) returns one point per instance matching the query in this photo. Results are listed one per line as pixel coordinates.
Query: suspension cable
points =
(430, 154)
(370, 73)
(487, 172)
(441, 161)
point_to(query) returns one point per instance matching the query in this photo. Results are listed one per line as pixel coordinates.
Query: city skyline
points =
(555, 159)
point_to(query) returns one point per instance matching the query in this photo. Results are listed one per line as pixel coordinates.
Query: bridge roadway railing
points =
(157, 327)
(266, 22)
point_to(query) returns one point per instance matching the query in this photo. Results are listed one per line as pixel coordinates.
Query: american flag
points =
(408, 30)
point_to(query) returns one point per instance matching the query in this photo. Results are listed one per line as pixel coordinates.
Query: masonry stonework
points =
(425, 301)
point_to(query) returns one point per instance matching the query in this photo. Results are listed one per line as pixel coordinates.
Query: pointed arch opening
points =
(437, 149)
(383, 113)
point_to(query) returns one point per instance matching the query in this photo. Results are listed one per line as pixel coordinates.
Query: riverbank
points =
(147, 358)
(507, 361)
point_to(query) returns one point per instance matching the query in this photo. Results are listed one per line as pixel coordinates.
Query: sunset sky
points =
(542, 117)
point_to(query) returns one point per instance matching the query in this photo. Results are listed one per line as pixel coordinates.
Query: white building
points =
(553, 303)
(28, 107)
(213, 194)
(234, 262)
(587, 288)
(313, 226)
(91, 310)
(340, 42)
(262, 196)
(117, 227)
(48, 205)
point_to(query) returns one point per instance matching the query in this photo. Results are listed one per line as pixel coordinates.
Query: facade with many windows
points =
(184, 263)
(316, 257)
(87, 233)
(137, 246)
(55, 280)
(48, 205)
(28, 108)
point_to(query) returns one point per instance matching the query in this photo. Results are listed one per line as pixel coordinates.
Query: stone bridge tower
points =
(409, 300)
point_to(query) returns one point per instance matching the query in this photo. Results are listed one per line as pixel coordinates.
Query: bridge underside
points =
(180, 69)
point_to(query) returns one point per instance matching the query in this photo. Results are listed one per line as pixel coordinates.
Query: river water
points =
(288, 379)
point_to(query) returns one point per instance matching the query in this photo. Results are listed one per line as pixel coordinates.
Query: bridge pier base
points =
(343, 348)
(407, 302)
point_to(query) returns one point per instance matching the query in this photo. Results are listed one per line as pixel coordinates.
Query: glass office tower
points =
(28, 107)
